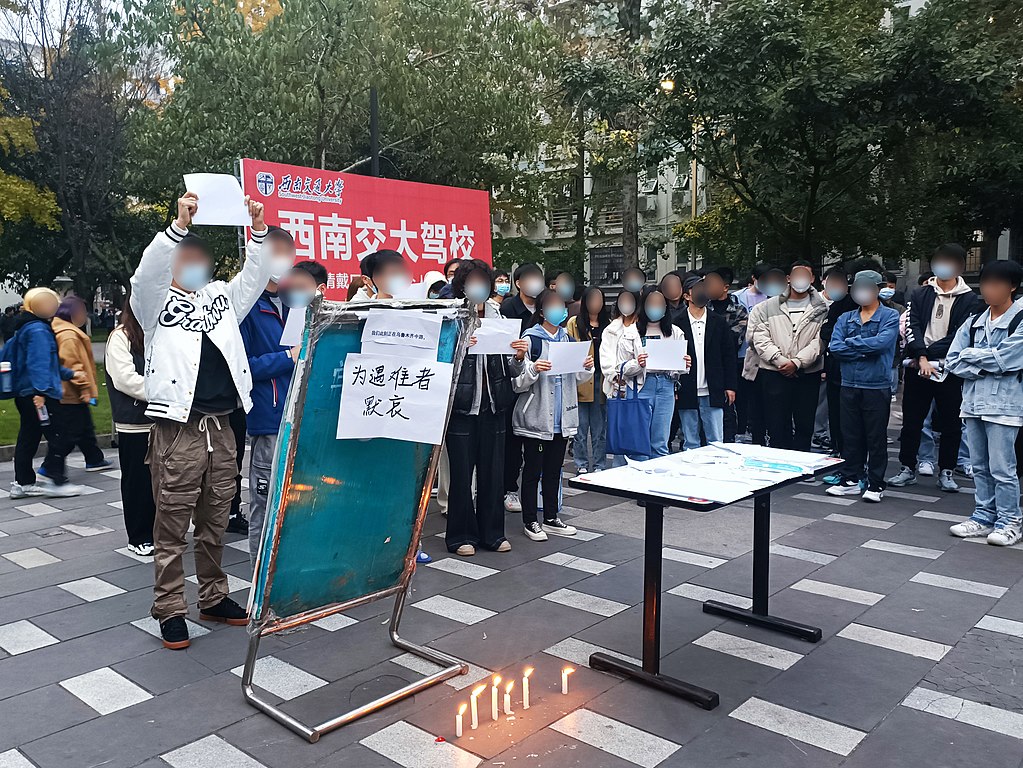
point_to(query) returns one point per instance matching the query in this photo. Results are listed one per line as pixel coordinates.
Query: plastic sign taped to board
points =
(393, 397)
(406, 333)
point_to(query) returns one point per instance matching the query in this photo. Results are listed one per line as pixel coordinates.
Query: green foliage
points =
(20, 198)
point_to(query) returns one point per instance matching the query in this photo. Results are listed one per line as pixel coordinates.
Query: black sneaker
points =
(175, 633)
(238, 524)
(227, 611)
(556, 527)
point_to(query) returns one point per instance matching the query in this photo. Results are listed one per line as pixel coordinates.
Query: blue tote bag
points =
(628, 420)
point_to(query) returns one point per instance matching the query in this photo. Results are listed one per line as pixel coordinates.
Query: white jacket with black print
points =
(174, 322)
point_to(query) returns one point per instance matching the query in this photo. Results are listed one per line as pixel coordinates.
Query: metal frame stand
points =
(759, 615)
(649, 674)
(450, 667)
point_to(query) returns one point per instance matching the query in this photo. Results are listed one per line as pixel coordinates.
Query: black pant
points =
(75, 428)
(512, 457)
(917, 395)
(731, 421)
(792, 408)
(835, 418)
(30, 432)
(237, 421)
(750, 409)
(475, 443)
(541, 457)
(865, 421)
(136, 487)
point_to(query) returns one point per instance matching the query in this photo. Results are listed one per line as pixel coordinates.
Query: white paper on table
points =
(567, 356)
(666, 355)
(221, 201)
(495, 335)
(402, 332)
(294, 325)
(393, 397)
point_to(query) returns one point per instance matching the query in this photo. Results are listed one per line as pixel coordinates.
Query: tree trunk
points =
(630, 219)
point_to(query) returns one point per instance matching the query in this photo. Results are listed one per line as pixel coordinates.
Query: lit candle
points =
(474, 713)
(525, 687)
(493, 696)
(507, 697)
(458, 721)
(564, 679)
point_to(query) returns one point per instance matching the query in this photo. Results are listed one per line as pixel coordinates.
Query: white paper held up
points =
(495, 335)
(567, 356)
(666, 355)
(294, 325)
(221, 202)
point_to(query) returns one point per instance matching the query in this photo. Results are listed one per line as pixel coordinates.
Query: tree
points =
(20, 198)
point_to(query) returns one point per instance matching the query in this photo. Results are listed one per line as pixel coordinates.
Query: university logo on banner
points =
(337, 219)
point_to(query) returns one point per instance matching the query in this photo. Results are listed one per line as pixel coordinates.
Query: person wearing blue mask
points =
(197, 373)
(658, 387)
(935, 311)
(545, 417)
(388, 272)
(502, 286)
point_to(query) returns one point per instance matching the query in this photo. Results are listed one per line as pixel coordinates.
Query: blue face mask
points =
(834, 294)
(654, 314)
(477, 293)
(634, 286)
(298, 299)
(397, 285)
(193, 277)
(886, 293)
(503, 289)
(943, 270)
(566, 291)
(773, 289)
(555, 315)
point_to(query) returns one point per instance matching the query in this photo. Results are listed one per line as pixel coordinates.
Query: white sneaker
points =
(535, 532)
(21, 491)
(556, 527)
(53, 490)
(142, 550)
(845, 488)
(874, 497)
(512, 503)
(969, 529)
(925, 468)
(1004, 537)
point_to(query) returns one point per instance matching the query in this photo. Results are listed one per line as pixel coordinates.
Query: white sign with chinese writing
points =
(408, 333)
(394, 397)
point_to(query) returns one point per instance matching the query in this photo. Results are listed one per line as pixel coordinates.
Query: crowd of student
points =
(195, 365)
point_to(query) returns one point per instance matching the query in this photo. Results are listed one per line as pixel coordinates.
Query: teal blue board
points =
(351, 505)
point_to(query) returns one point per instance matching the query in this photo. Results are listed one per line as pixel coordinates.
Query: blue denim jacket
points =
(866, 351)
(992, 367)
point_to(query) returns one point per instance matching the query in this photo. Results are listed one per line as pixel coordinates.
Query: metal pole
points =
(374, 132)
(761, 552)
(652, 588)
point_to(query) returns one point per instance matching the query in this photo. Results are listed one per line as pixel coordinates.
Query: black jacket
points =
(514, 309)
(125, 409)
(920, 305)
(499, 388)
(836, 310)
(719, 353)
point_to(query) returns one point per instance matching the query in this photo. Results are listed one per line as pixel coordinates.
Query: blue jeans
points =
(659, 390)
(994, 473)
(592, 427)
(711, 418)
(928, 447)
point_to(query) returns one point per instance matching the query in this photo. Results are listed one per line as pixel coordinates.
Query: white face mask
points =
(532, 287)
(800, 284)
(279, 265)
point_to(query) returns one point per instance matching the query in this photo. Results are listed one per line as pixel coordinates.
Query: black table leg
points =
(759, 615)
(649, 673)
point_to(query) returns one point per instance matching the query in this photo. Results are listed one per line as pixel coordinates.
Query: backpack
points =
(1013, 325)
(9, 354)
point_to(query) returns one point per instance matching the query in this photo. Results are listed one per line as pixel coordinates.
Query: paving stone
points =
(990, 565)
(21, 718)
(940, 615)
(736, 576)
(208, 751)
(868, 569)
(104, 690)
(94, 616)
(617, 738)
(24, 636)
(982, 668)
(624, 584)
(517, 585)
(828, 538)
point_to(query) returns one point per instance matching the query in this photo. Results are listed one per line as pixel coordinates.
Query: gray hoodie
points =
(533, 415)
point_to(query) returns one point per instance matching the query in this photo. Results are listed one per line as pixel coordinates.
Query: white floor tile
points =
(86, 530)
(800, 726)
(208, 752)
(461, 567)
(893, 641)
(691, 558)
(114, 473)
(616, 738)
(983, 540)
(583, 564)
(802, 554)
(2, 534)
(38, 509)
(911, 496)
(282, 679)
(89, 490)
(105, 690)
(91, 588)
(983, 716)
(1005, 626)
(861, 596)
(12, 758)
(335, 622)
(823, 498)
(455, 610)
(929, 515)
(116, 504)
(866, 522)
(242, 545)
(234, 584)
(30, 558)
(903, 549)
(582, 535)
(412, 747)
(151, 626)
(137, 558)
(584, 602)
(702, 594)
(959, 585)
(579, 652)
(426, 667)
(23, 636)
(750, 650)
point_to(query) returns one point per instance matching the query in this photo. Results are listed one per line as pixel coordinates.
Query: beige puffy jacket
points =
(773, 339)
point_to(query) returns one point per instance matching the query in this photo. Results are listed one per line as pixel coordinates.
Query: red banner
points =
(339, 218)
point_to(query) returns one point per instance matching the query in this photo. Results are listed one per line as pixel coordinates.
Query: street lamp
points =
(667, 84)
(62, 284)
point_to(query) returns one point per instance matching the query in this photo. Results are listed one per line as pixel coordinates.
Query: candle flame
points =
(528, 672)
(567, 671)
(477, 691)
(508, 688)
(461, 709)
(497, 680)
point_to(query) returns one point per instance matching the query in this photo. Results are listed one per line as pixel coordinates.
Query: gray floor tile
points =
(983, 668)
(736, 576)
(934, 614)
(517, 585)
(35, 714)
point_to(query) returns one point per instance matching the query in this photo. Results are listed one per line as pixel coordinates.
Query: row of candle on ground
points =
(474, 713)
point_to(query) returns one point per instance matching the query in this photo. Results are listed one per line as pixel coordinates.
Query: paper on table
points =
(495, 335)
(666, 355)
(567, 356)
(294, 325)
(221, 202)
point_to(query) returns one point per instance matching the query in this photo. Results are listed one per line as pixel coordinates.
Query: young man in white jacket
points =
(196, 373)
